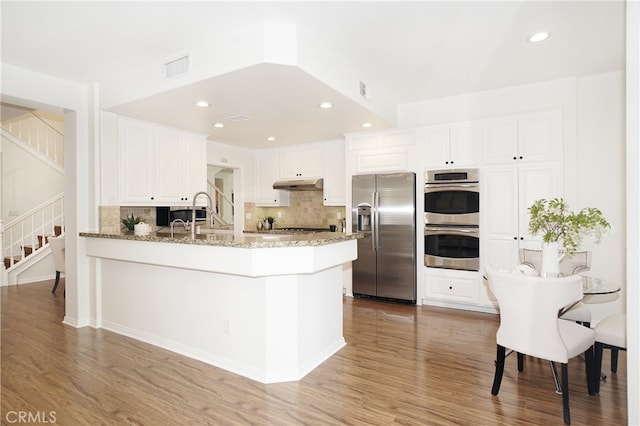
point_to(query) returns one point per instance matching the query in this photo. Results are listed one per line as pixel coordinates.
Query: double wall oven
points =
(452, 219)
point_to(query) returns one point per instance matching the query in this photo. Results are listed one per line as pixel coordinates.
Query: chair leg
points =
(55, 285)
(520, 362)
(497, 378)
(614, 360)
(599, 348)
(591, 370)
(556, 381)
(565, 394)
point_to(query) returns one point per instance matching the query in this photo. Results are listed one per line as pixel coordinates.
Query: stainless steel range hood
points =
(311, 184)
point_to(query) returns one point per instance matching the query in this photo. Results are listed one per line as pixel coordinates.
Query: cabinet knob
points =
(515, 158)
(152, 198)
(521, 157)
(515, 238)
(450, 287)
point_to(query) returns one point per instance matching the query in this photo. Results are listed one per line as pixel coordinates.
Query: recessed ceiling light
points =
(271, 138)
(218, 125)
(538, 37)
(326, 105)
(367, 124)
(202, 104)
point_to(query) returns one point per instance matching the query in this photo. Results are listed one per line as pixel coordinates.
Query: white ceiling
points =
(406, 51)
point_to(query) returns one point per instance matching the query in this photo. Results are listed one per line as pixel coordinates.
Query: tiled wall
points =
(110, 217)
(305, 209)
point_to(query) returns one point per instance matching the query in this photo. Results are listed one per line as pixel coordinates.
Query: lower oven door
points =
(452, 247)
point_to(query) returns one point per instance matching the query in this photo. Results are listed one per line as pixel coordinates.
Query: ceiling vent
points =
(177, 66)
(363, 89)
(237, 118)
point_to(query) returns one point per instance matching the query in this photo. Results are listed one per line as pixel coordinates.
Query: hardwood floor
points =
(403, 365)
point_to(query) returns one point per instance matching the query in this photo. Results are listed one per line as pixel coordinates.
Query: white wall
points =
(27, 181)
(633, 209)
(21, 86)
(600, 158)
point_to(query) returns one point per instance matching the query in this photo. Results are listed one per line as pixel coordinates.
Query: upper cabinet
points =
(267, 172)
(159, 165)
(334, 191)
(315, 160)
(526, 138)
(301, 161)
(385, 151)
(452, 145)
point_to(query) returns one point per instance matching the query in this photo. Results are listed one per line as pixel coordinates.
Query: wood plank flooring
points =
(403, 365)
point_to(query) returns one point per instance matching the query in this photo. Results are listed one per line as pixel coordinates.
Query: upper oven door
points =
(452, 204)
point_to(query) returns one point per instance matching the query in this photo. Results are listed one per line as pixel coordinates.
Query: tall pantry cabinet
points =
(522, 159)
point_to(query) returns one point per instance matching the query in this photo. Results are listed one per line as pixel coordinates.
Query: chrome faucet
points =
(193, 210)
(185, 224)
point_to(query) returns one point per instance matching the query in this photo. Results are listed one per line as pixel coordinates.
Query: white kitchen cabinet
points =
(535, 137)
(267, 172)
(507, 193)
(454, 286)
(136, 141)
(522, 163)
(301, 161)
(334, 186)
(386, 151)
(452, 145)
(159, 165)
(194, 152)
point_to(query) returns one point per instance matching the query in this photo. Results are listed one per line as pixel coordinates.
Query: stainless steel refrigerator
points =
(384, 210)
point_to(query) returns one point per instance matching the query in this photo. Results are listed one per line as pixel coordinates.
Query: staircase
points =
(24, 240)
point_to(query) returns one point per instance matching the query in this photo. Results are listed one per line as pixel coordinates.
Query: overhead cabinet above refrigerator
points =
(384, 210)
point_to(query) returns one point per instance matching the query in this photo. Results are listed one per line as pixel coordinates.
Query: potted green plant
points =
(270, 220)
(131, 221)
(560, 226)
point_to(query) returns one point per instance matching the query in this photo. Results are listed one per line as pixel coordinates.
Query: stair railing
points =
(24, 231)
(38, 134)
(224, 198)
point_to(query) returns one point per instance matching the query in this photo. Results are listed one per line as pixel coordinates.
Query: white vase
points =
(550, 267)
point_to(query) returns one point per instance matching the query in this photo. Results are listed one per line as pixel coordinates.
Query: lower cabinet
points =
(456, 289)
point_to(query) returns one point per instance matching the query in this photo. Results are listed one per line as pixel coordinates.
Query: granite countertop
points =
(248, 240)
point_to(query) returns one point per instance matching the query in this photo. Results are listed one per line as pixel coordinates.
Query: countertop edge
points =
(226, 240)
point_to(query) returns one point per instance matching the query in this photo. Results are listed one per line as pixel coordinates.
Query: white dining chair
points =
(529, 325)
(571, 265)
(611, 333)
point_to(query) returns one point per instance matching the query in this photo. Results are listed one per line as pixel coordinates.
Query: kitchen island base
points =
(270, 328)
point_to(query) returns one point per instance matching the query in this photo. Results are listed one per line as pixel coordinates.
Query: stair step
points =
(40, 239)
(27, 250)
(57, 230)
(7, 261)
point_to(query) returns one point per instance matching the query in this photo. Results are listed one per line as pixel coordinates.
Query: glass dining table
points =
(593, 286)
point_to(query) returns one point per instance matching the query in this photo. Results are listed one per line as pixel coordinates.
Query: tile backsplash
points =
(305, 209)
(110, 217)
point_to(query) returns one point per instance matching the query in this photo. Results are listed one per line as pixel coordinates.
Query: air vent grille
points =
(237, 118)
(177, 66)
(363, 89)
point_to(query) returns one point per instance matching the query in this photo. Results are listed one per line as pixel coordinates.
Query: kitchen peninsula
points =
(268, 307)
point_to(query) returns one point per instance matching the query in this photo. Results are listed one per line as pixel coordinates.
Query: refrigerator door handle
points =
(376, 215)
